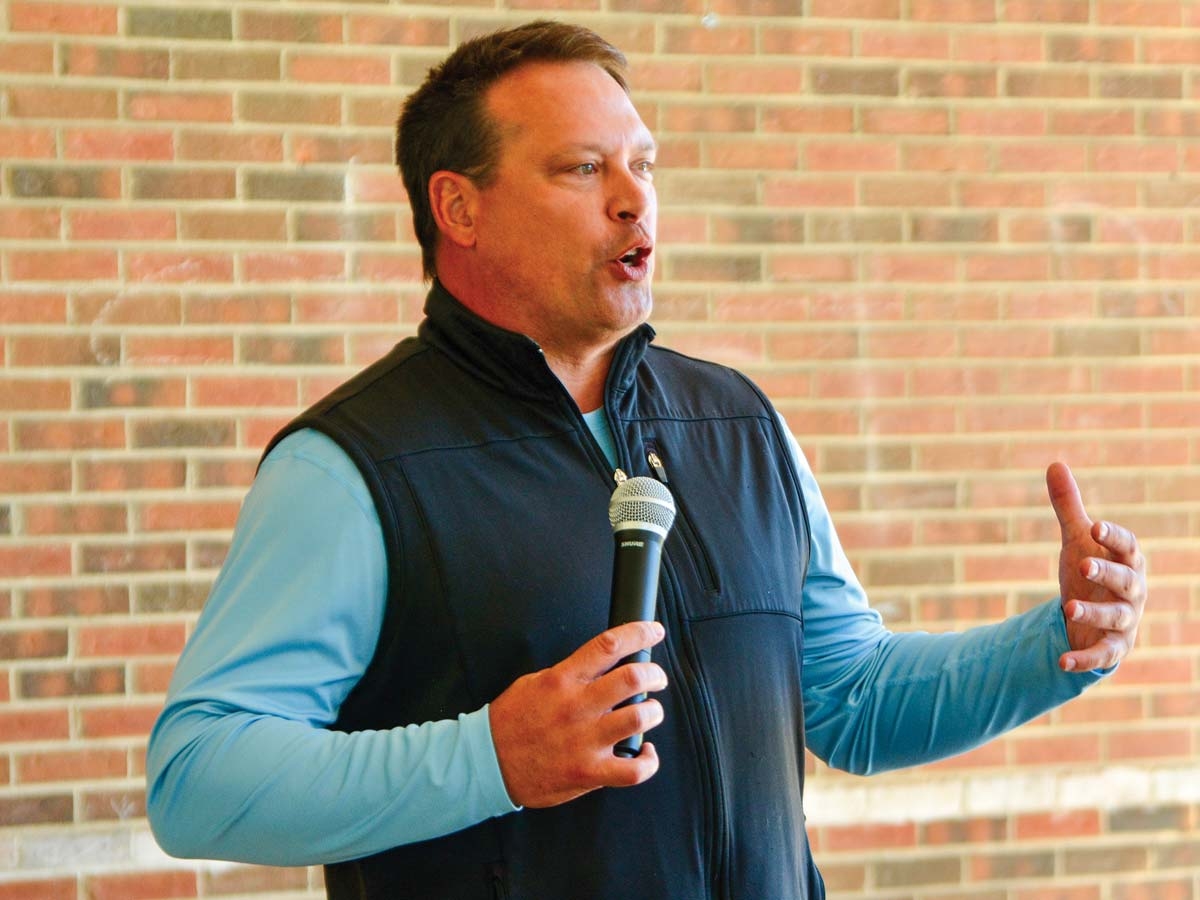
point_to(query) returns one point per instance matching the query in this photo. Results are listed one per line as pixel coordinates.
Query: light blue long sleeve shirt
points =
(241, 764)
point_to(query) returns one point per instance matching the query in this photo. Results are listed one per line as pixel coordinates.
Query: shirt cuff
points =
(477, 728)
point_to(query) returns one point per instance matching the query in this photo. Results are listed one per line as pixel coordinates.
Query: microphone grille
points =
(641, 501)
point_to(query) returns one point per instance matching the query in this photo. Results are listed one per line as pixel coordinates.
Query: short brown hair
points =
(444, 126)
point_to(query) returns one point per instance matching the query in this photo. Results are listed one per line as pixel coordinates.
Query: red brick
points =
(74, 518)
(128, 641)
(142, 886)
(731, 38)
(29, 224)
(1002, 122)
(1049, 11)
(25, 142)
(808, 192)
(71, 765)
(62, 18)
(127, 557)
(123, 720)
(253, 879)
(953, 11)
(39, 560)
(121, 225)
(1140, 13)
(1160, 743)
(294, 266)
(96, 143)
(115, 61)
(341, 69)
(260, 308)
(227, 146)
(152, 678)
(404, 31)
(41, 889)
(62, 103)
(1057, 749)
(34, 394)
(244, 391)
(62, 265)
(868, 837)
(1058, 826)
(805, 41)
(181, 515)
(132, 474)
(998, 46)
(856, 9)
(178, 106)
(75, 434)
(823, 156)
(27, 58)
(76, 600)
(234, 225)
(174, 267)
(389, 267)
(904, 45)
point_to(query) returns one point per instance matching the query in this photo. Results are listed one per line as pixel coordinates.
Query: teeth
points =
(630, 257)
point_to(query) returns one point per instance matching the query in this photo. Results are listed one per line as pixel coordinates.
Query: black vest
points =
(493, 497)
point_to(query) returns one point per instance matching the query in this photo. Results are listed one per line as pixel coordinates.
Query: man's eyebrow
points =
(647, 146)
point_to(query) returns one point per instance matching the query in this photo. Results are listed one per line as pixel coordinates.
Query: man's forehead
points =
(577, 102)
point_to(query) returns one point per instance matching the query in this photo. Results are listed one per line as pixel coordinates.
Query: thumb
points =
(1065, 498)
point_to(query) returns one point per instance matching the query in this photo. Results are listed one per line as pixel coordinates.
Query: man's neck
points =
(584, 378)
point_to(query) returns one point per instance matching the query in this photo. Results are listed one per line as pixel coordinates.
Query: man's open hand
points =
(1102, 580)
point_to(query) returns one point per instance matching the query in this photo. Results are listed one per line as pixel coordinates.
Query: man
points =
(403, 673)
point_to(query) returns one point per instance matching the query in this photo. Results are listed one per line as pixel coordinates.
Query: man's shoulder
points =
(700, 387)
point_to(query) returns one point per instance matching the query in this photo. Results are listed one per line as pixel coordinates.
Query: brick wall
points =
(953, 239)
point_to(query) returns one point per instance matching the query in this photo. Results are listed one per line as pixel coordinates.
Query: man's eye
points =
(587, 168)
(646, 167)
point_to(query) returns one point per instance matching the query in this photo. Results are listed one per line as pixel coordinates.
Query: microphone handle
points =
(634, 599)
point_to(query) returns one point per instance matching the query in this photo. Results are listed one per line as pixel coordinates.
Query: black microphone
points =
(641, 512)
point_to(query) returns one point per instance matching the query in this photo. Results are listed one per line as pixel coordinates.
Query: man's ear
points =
(453, 198)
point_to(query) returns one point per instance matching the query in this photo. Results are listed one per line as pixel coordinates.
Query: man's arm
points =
(240, 764)
(877, 700)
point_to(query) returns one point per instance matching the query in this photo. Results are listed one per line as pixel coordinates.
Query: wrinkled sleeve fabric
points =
(241, 765)
(875, 700)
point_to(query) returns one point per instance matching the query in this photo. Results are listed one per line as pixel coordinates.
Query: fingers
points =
(1065, 497)
(636, 718)
(1107, 616)
(609, 647)
(1120, 542)
(554, 729)
(1104, 654)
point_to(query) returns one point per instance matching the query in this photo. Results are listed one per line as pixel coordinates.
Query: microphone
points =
(641, 512)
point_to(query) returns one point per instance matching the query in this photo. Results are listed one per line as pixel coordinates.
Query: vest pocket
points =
(695, 550)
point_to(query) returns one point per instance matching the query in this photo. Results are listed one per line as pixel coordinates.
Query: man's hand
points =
(554, 730)
(1101, 577)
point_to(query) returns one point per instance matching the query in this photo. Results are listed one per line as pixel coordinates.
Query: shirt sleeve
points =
(241, 764)
(875, 700)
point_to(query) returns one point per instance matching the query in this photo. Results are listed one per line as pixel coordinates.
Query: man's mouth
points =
(635, 256)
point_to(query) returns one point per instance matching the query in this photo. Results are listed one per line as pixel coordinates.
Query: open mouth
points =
(635, 256)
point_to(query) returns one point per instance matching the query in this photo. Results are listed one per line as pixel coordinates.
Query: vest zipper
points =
(691, 541)
(685, 660)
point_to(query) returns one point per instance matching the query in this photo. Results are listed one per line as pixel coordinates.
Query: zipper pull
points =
(620, 477)
(656, 464)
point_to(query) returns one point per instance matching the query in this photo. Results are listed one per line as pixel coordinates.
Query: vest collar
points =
(508, 360)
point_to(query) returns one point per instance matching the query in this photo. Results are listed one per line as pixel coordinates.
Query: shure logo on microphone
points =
(633, 543)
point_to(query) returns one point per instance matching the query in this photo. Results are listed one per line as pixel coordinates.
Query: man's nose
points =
(632, 197)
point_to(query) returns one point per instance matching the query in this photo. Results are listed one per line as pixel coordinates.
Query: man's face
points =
(565, 231)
